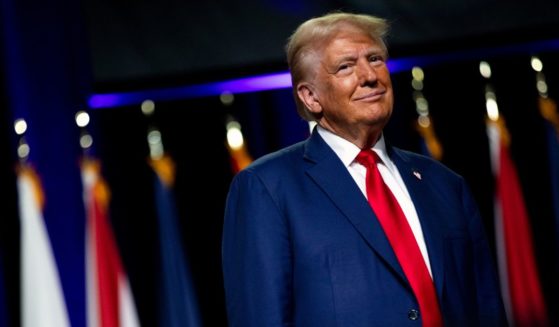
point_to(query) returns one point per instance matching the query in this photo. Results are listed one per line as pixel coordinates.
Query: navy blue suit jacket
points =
(302, 246)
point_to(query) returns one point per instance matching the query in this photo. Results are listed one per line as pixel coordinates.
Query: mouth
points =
(371, 96)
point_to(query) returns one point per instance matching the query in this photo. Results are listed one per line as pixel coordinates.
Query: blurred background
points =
(134, 116)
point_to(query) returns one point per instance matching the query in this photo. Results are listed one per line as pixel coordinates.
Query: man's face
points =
(352, 84)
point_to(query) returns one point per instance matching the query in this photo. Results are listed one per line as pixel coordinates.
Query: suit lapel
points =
(332, 177)
(417, 183)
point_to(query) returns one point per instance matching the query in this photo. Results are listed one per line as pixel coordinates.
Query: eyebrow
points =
(349, 57)
(353, 57)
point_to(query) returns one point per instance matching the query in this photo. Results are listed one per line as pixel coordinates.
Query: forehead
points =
(349, 40)
(344, 41)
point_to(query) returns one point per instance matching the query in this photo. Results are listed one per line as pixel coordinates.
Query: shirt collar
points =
(347, 151)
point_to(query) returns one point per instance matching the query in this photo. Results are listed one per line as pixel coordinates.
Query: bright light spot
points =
(86, 141)
(23, 150)
(82, 118)
(155, 144)
(492, 109)
(148, 107)
(154, 137)
(422, 105)
(485, 69)
(542, 87)
(423, 121)
(20, 126)
(417, 73)
(536, 63)
(227, 98)
(417, 85)
(235, 137)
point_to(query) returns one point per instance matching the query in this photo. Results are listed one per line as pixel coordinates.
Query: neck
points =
(362, 138)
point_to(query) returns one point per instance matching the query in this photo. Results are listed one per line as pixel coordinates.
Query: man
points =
(343, 229)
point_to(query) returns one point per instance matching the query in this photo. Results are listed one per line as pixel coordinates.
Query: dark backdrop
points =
(196, 40)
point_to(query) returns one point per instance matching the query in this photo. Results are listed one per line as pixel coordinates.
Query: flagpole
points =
(178, 304)
(518, 271)
(42, 298)
(550, 114)
(109, 296)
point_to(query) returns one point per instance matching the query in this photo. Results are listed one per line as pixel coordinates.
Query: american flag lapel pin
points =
(417, 174)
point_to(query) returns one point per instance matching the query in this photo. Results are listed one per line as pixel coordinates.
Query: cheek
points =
(384, 77)
(343, 88)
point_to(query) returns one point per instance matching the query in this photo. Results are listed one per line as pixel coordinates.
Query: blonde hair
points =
(310, 35)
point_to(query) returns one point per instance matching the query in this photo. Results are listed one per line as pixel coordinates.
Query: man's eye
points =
(344, 68)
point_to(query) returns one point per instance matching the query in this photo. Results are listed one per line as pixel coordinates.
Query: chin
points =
(380, 113)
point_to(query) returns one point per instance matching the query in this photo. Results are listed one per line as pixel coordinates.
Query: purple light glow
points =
(242, 85)
(282, 80)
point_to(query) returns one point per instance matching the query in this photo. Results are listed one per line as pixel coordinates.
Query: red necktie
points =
(402, 240)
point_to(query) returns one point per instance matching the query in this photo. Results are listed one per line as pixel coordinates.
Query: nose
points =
(367, 73)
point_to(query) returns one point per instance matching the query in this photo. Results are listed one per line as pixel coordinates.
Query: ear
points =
(308, 96)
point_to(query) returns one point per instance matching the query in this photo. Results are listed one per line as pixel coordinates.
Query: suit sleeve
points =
(256, 256)
(490, 306)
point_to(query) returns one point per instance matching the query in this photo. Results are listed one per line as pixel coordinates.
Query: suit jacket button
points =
(413, 314)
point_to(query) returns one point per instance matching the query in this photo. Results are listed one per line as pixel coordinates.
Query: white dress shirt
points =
(347, 152)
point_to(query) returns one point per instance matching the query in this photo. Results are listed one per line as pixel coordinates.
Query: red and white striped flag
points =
(42, 298)
(520, 285)
(110, 300)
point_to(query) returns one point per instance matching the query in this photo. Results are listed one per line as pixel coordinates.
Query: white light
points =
(492, 109)
(485, 69)
(82, 118)
(417, 85)
(424, 121)
(536, 63)
(23, 150)
(542, 87)
(148, 107)
(417, 73)
(235, 137)
(155, 144)
(227, 98)
(86, 141)
(422, 106)
(20, 126)
(154, 137)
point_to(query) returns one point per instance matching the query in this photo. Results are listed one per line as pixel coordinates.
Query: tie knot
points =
(367, 158)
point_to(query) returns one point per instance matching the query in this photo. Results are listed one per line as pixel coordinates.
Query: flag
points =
(42, 298)
(109, 296)
(178, 306)
(548, 110)
(430, 144)
(240, 158)
(522, 292)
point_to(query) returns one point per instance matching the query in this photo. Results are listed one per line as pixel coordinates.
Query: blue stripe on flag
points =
(178, 305)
